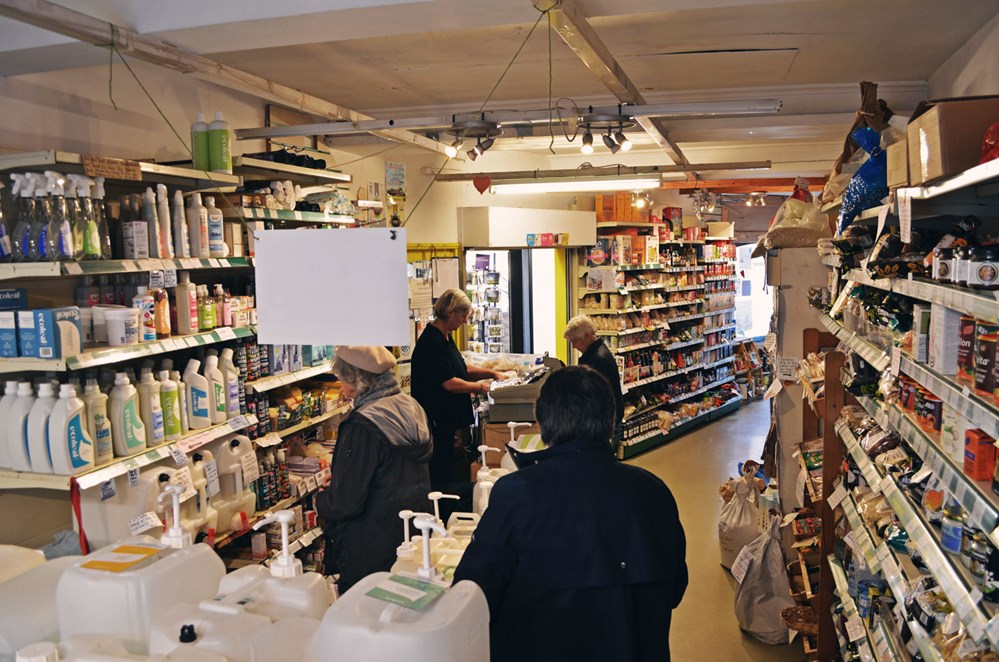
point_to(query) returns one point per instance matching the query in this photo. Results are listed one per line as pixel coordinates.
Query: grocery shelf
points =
(111, 355)
(624, 311)
(29, 270)
(276, 381)
(627, 332)
(613, 224)
(977, 304)
(850, 610)
(716, 329)
(304, 425)
(714, 278)
(720, 311)
(878, 359)
(286, 215)
(659, 343)
(119, 466)
(665, 268)
(686, 318)
(721, 261)
(983, 177)
(982, 412)
(95, 267)
(658, 378)
(251, 168)
(703, 389)
(656, 438)
(732, 239)
(300, 543)
(715, 364)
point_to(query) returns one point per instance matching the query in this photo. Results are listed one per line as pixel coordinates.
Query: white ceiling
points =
(399, 58)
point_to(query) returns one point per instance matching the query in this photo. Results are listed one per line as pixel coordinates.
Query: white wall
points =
(973, 69)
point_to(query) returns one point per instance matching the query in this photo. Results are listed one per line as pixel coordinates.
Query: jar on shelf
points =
(983, 268)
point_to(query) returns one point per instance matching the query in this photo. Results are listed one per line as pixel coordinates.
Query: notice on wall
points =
(102, 166)
(445, 275)
(787, 368)
(318, 287)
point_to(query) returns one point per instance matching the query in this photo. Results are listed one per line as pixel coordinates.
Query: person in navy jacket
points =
(580, 557)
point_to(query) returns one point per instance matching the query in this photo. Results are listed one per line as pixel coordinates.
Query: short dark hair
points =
(575, 403)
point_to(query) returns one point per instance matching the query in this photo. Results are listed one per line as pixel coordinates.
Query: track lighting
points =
(611, 145)
(486, 144)
(640, 200)
(587, 146)
(476, 151)
(622, 141)
(452, 149)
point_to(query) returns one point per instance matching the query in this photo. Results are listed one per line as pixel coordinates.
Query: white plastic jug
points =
(128, 434)
(235, 501)
(98, 424)
(6, 403)
(150, 408)
(109, 648)
(170, 406)
(28, 606)
(16, 560)
(198, 401)
(70, 445)
(185, 424)
(17, 427)
(38, 429)
(216, 388)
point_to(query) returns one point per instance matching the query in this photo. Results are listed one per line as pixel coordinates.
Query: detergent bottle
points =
(128, 434)
(98, 424)
(38, 429)
(70, 446)
(150, 408)
(16, 425)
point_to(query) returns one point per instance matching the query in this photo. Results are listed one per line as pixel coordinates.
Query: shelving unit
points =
(256, 213)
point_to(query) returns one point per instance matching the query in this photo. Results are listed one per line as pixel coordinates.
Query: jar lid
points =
(987, 253)
(944, 252)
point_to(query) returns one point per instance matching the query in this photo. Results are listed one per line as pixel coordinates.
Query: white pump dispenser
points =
(425, 525)
(436, 497)
(407, 549)
(285, 564)
(6, 403)
(485, 478)
(38, 429)
(176, 536)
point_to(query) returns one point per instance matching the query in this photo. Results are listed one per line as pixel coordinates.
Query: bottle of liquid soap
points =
(128, 434)
(98, 425)
(198, 402)
(38, 435)
(101, 214)
(220, 145)
(6, 402)
(199, 144)
(206, 315)
(181, 245)
(151, 217)
(170, 404)
(216, 234)
(147, 314)
(23, 190)
(60, 233)
(186, 301)
(230, 377)
(150, 409)
(70, 445)
(17, 427)
(217, 388)
(182, 395)
(197, 226)
(163, 215)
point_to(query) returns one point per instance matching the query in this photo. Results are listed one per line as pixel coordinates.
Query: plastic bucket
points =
(100, 323)
(122, 326)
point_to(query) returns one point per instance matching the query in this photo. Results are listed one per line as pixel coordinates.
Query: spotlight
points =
(611, 145)
(452, 149)
(476, 151)
(623, 141)
(485, 144)
(587, 147)
(640, 200)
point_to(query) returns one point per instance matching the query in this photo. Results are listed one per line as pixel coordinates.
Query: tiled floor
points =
(694, 466)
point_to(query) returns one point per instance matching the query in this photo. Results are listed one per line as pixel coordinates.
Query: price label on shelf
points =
(977, 515)
(896, 360)
(214, 262)
(108, 489)
(169, 278)
(837, 496)
(992, 629)
(311, 485)
(191, 341)
(886, 484)
(269, 439)
(855, 628)
(73, 268)
(156, 279)
(238, 422)
(882, 217)
(179, 456)
(183, 477)
(143, 522)
(133, 477)
(251, 470)
(212, 476)
(225, 333)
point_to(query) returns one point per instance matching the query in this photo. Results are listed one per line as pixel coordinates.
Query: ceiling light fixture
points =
(622, 141)
(476, 151)
(581, 185)
(640, 200)
(453, 149)
(587, 146)
(611, 145)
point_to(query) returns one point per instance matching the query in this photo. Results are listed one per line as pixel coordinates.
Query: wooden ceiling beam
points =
(768, 185)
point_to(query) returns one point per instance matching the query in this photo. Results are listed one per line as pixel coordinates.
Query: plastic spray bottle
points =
(6, 402)
(17, 427)
(217, 388)
(230, 377)
(87, 220)
(216, 236)
(150, 409)
(60, 233)
(103, 227)
(220, 145)
(198, 406)
(199, 144)
(98, 425)
(38, 245)
(23, 191)
(163, 215)
(128, 434)
(38, 435)
(197, 226)
(181, 246)
(73, 215)
(151, 218)
(170, 404)
(70, 445)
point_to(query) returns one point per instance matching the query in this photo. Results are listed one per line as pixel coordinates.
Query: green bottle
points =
(220, 145)
(199, 144)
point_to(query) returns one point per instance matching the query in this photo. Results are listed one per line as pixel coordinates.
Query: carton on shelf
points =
(979, 455)
(945, 326)
(8, 334)
(945, 137)
(605, 208)
(898, 164)
(622, 249)
(721, 229)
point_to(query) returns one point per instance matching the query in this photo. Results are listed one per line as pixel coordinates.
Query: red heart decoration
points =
(482, 183)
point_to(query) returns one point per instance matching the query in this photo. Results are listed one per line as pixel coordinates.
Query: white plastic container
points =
(181, 245)
(107, 519)
(361, 628)
(230, 377)
(198, 514)
(216, 236)
(70, 446)
(98, 424)
(198, 402)
(485, 478)
(220, 145)
(6, 403)
(163, 215)
(17, 428)
(150, 409)
(122, 326)
(182, 393)
(87, 326)
(38, 429)
(146, 305)
(93, 599)
(216, 388)
(28, 606)
(235, 500)
(197, 226)
(128, 434)
(170, 405)
(16, 560)
(108, 648)
(186, 299)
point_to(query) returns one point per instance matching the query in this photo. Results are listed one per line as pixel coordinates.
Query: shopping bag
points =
(737, 522)
(763, 590)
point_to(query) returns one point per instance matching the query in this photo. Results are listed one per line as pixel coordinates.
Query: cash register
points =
(513, 399)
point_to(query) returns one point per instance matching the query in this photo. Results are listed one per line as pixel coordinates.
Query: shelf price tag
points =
(992, 629)
(183, 477)
(225, 333)
(251, 470)
(133, 477)
(169, 278)
(311, 485)
(896, 360)
(156, 279)
(238, 422)
(179, 456)
(143, 522)
(837, 496)
(212, 476)
(73, 268)
(108, 490)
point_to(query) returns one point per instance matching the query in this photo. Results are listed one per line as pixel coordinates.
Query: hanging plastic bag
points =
(763, 591)
(870, 184)
(797, 224)
(737, 522)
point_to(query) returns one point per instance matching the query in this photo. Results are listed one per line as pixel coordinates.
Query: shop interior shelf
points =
(624, 311)
(720, 311)
(981, 411)
(306, 424)
(286, 215)
(665, 268)
(276, 381)
(873, 355)
(671, 346)
(715, 364)
(658, 378)
(718, 261)
(224, 540)
(299, 543)
(983, 178)
(700, 391)
(653, 439)
(722, 277)
(29, 270)
(261, 169)
(95, 267)
(850, 611)
(982, 305)
(727, 327)
(111, 355)
(18, 480)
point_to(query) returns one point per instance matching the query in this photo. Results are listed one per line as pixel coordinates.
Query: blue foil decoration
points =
(870, 184)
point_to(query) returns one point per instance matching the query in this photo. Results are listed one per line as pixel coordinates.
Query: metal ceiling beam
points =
(60, 20)
(759, 184)
(576, 31)
(610, 172)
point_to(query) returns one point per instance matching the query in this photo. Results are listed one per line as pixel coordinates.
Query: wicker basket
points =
(801, 619)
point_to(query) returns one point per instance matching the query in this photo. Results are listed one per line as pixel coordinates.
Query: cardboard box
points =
(945, 325)
(622, 249)
(60, 334)
(14, 299)
(605, 206)
(294, 357)
(921, 328)
(649, 245)
(898, 164)
(27, 334)
(8, 334)
(945, 136)
(721, 229)
(979, 455)
(496, 435)
(278, 359)
(600, 255)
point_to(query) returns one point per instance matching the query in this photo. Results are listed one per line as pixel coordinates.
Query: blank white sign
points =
(332, 287)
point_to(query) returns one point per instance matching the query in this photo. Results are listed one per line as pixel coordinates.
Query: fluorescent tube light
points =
(578, 185)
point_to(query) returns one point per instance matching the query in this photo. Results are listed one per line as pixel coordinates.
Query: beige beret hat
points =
(373, 359)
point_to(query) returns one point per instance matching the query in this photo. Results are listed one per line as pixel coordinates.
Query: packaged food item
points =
(986, 344)
(979, 455)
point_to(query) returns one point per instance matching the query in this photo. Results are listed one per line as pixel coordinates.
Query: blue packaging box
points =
(14, 299)
(316, 354)
(279, 359)
(60, 334)
(294, 357)
(27, 334)
(8, 334)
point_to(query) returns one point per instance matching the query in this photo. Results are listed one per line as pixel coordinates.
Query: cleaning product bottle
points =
(6, 247)
(206, 313)
(147, 314)
(151, 217)
(197, 226)
(230, 377)
(38, 429)
(163, 215)
(216, 236)
(170, 404)
(89, 235)
(484, 480)
(38, 244)
(128, 434)
(227, 303)
(175, 377)
(17, 427)
(181, 245)
(186, 302)
(220, 145)
(217, 388)
(73, 215)
(161, 312)
(6, 402)
(103, 225)
(199, 144)
(23, 191)
(70, 446)
(219, 301)
(198, 401)
(210, 308)
(60, 234)
(98, 425)
(150, 409)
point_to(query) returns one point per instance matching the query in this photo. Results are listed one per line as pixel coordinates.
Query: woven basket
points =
(802, 619)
